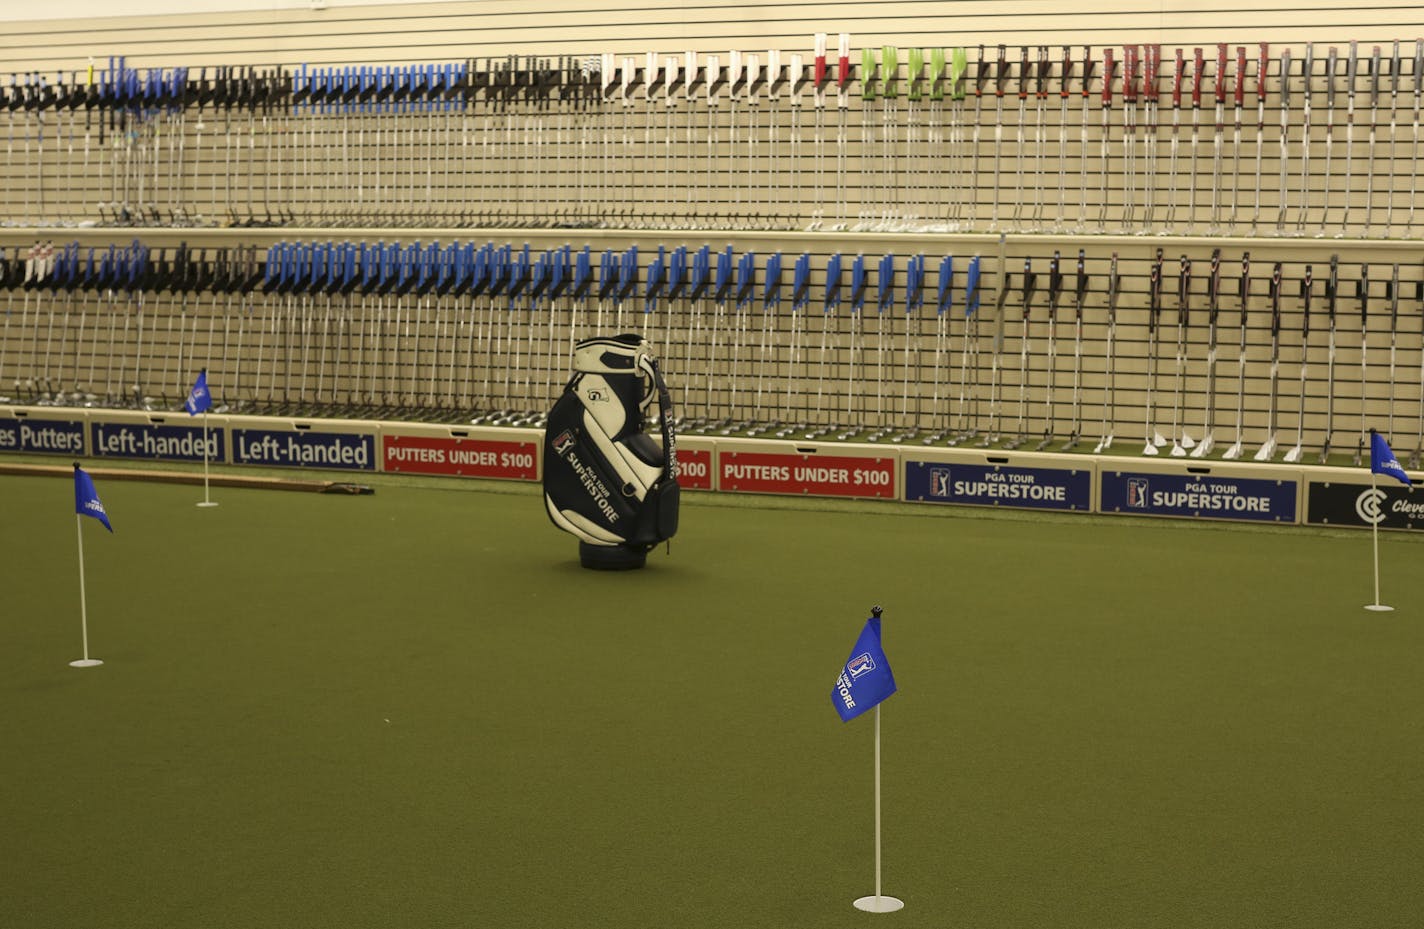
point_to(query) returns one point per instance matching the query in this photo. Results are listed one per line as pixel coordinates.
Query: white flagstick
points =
(878, 903)
(86, 661)
(206, 500)
(1376, 607)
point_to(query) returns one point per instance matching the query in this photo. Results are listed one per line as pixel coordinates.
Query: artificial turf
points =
(415, 710)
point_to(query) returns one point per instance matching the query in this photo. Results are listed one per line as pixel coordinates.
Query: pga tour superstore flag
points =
(199, 399)
(1382, 460)
(866, 679)
(86, 498)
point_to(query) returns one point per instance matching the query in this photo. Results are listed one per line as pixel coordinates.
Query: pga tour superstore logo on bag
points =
(1201, 496)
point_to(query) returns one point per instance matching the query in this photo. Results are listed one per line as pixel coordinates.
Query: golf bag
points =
(605, 479)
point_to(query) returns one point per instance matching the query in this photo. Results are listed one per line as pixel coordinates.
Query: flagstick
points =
(86, 661)
(1376, 607)
(206, 500)
(878, 903)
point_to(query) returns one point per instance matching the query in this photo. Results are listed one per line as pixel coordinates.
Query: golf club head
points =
(1233, 452)
(1178, 451)
(1293, 455)
(1158, 439)
(1149, 448)
(1267, 450)
(1187, 441)
(1204, 447)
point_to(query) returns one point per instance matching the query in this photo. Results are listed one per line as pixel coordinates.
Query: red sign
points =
(409, 454)
(694, 468)
(819, 475)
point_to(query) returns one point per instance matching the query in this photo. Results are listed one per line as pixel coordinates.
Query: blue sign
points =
(155, 442)
(279, 448)
(45, 436)
(1199, 495)
(999, 485)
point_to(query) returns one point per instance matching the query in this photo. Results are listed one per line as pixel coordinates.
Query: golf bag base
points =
(611, 557)
(605, 480)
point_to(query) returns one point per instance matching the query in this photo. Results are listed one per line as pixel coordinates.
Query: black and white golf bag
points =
(605, 479)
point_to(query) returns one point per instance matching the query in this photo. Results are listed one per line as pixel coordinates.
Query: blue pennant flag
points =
(199, 400)
(86, 498)
(866, 679)
(1382, 460)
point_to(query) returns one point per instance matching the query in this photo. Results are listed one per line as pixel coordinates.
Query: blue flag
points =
(866, 679)
(199, 400)
(86, 498)
(1382, 460)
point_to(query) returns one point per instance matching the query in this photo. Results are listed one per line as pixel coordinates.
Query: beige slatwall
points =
(720, 216)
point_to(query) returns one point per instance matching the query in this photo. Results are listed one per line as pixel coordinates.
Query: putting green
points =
(415, 709)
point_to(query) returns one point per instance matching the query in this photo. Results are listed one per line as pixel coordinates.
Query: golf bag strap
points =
(669, 432)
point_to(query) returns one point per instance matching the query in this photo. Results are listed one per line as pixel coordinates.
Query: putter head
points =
(1178, 451)
(1158, 439)
(1267, 450)
(1187, 441)
(1204, 447)
(1293, 455)
(1149, 448)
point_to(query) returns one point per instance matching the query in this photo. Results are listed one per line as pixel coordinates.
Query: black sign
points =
(1390, 505)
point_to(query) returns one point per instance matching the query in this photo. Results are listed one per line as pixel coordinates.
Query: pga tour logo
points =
(1137, 492)
(939, 482)
(563, 441)
(860, 665)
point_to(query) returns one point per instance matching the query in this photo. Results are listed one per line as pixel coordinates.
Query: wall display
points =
(977, 244)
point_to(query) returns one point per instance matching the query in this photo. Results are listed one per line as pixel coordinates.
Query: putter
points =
(1204, 447)
(1110, 387)
(1268, 448)
(1244, 293)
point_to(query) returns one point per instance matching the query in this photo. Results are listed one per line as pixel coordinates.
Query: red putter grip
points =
(1261, 71)
(1221, 73)
(1197, 70)
(1240, 74)
(1109, 68)
(1177, 81)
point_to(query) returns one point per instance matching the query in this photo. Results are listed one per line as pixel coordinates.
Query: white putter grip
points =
(714, 74)
(607, 65)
